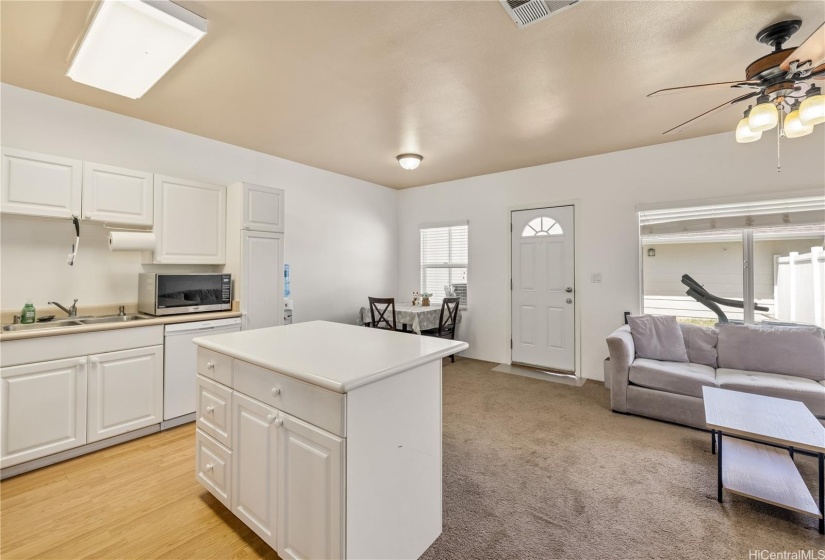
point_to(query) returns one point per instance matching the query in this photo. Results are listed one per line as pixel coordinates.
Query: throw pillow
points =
(658, 337)
(700, 343)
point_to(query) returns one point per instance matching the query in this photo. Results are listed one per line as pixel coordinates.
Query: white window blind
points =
(799, 211)
(444, 256)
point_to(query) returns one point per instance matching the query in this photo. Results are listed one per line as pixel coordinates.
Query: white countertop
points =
(332, 355)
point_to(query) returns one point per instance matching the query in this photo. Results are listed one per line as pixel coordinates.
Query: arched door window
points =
(541, 226)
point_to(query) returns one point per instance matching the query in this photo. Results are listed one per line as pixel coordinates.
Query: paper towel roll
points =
(131, 241)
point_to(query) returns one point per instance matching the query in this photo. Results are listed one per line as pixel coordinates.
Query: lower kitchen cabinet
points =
(310, 491)
(125, 391)
(254, 465)
(43, 409)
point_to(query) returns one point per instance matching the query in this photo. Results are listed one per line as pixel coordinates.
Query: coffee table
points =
(763, 433)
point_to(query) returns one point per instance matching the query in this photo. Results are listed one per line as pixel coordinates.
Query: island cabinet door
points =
(311, 492)
(255, 429)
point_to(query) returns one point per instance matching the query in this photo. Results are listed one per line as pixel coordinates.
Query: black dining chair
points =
(379, 307)
(447, 321)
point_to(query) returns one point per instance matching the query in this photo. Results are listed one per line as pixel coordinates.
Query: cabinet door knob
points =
(94, 360)
(271, 418)
(209, 466)
(275, 392)
(209, 409)
(210, 365)
(278, 423)
(81, 362)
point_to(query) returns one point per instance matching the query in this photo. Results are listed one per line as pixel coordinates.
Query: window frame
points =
(449, 265)
(746, 236)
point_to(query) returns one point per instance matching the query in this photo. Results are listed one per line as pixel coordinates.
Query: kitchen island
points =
(324, 438)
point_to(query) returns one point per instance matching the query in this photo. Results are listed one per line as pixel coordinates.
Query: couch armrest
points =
(622, 353)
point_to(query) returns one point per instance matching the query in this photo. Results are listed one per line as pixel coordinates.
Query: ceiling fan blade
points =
(812, 49)
(706, 114)
(713, 86)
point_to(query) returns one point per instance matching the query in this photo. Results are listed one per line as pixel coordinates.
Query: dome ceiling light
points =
(409, 161)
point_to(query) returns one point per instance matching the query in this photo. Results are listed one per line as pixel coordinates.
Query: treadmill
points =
(712, 302)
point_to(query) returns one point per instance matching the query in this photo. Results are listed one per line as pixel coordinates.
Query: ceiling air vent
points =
(527, 12)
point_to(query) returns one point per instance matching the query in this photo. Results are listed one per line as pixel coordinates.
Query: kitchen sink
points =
(37, 326)
(113, 319)
(73, 322)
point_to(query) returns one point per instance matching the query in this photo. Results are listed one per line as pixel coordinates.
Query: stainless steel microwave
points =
(172, 294)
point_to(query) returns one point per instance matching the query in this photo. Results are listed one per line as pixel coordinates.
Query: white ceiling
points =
(346, 86)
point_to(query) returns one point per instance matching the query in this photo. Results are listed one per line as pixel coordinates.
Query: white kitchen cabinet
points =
(117, 195)
(213, 464)
(311, 491)
(262, 208)
(125, 391)
(254, 465)
(190, 221)
(43, 409)
(40, 185)
(262, 279)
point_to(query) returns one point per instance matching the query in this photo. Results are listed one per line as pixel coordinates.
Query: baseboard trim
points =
(179, 421)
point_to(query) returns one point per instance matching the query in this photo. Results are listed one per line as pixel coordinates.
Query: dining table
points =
(416, 317)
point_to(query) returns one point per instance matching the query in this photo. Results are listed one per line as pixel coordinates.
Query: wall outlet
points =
(596, 278)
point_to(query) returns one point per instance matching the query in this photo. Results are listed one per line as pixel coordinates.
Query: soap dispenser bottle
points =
(28, 314)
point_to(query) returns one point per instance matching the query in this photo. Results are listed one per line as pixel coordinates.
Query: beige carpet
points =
(534, 469)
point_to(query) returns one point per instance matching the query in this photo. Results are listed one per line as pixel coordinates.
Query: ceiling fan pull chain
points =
(779, 130)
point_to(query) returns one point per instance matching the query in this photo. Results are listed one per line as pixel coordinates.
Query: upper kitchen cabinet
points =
(190, 222)
(260, 208)
(117, 195)
(40, 185)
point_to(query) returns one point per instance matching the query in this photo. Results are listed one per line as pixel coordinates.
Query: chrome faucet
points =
(72, 311)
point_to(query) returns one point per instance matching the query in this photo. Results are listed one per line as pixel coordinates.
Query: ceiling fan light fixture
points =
(793, 125)
(812, 110)
(764, 116)
(744, 134)
(409, 161)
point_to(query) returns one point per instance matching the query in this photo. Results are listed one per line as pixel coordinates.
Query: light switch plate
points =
(596, 278)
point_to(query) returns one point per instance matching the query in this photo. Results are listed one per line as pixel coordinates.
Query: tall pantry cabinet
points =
(255, 252)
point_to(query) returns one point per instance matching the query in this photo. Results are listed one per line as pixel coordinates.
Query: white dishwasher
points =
(180, 366)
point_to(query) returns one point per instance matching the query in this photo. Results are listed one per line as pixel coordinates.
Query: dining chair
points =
(447, 321)
(378, 312)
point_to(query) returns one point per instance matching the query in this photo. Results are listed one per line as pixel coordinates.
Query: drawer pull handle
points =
(210, 365)
(209, 467)
(210, 409)
(276, 392)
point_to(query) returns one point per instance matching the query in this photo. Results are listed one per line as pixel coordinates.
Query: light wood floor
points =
(135, 500)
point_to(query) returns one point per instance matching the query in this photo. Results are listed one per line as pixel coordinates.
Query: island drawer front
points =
(215, 366)
(318, 406)
(214, 410)
(213, 466)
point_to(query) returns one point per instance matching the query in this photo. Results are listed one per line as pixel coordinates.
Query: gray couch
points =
(784, 362)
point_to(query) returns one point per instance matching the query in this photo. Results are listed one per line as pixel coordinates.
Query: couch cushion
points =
(807, 391)
(700, 343)
(657, 337)
(798, 351)
(672, 377)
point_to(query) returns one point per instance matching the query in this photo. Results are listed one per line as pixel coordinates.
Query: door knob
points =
(568, 289)
(276, 392)
(210, 365)
(569, 300)
(209, 409)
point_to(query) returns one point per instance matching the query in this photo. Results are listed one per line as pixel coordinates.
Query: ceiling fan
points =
(782, 83)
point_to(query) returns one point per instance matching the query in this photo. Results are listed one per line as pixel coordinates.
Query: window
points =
(541, 226)
(444, 252)
(768, 253)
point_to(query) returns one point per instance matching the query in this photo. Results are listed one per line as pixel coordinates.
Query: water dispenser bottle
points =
(287, 290)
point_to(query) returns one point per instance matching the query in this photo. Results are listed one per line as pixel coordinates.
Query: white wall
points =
(341, 233)
(607, 187)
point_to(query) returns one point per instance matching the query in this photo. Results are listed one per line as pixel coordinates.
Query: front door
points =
(542, 268)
